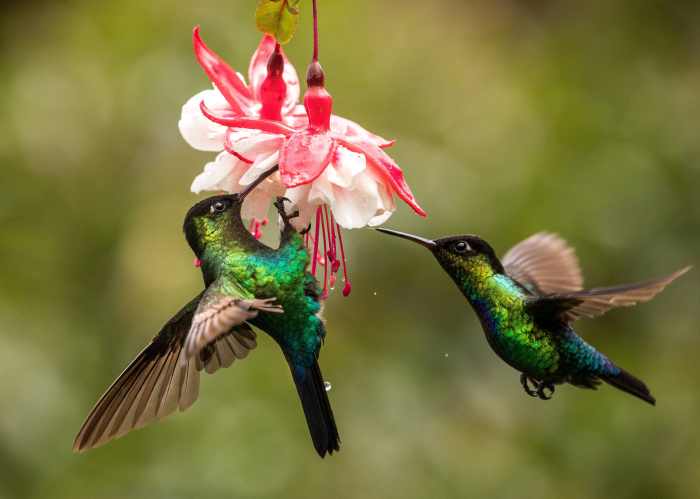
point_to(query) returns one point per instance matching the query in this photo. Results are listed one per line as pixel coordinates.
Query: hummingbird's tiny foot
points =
(306, 230)
(525, 381)
(542, 390)
(279, 204)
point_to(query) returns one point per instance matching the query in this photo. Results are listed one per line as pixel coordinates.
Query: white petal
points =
(345, 167)
(196, 129)
(263, 162)
(215, 174)
(380, 218)
(363, 204)
(250, 142)
(256, 204)
(321, 191)
(299, 196)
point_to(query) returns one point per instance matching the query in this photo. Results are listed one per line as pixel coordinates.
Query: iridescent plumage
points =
(527, 321)
(246, 282)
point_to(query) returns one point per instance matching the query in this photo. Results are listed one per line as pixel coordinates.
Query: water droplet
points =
(447, 355)
(375, 293)
(327, 385)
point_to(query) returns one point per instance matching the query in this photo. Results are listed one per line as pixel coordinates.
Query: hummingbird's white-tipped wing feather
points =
(544, 263)
(217, 313)
(597, 301)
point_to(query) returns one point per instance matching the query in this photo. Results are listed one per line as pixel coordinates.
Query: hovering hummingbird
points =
(246, 283)
(527, 303)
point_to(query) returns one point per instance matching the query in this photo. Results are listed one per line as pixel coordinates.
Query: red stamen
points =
(254, 228)
(315, 255)
(324, 293)
(335, 228)
(330, 253)
(348, 287)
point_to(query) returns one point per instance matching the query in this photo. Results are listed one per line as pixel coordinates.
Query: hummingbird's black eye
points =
(218, 207)
(462, 247)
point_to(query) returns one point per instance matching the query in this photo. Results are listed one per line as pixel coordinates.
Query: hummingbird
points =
(527, 304)
(247, 283)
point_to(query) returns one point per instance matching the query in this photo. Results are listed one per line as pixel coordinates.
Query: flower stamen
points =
(348, 287)
(255, 227)
(314, 260)
(324, 293)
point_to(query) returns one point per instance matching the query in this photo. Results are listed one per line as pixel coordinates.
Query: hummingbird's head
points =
(210, 219)
(460, 256)
(215, 219)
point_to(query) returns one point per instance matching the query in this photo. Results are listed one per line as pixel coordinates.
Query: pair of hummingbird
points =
(526, 302)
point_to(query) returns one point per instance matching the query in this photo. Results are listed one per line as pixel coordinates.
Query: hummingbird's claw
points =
(279, 204)
(542, 389)
(305, 230)
(525, 381)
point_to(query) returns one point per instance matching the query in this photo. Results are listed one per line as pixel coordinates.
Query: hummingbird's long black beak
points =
(428, 243)
(257, 182)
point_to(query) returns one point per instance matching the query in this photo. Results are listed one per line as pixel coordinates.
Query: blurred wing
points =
(217, 313)
(597, 301)
(544, 263)
(150, 388)
(157, 382)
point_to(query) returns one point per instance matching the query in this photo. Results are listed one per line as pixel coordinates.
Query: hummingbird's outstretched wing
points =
(544, 263)
(222, 307)
(155, 383)
(597, 301)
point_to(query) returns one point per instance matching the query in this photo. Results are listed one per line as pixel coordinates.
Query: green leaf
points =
(279, 18)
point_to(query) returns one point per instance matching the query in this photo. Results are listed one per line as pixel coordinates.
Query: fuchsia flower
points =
(335, 171)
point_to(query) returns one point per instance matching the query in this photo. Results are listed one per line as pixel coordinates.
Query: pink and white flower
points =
(335, 171)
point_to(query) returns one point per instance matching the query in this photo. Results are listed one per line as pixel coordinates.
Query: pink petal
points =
(304, 157)
(296, 118)
(224, 77)
(385, 166)
(351, 130)
(257, 71)
(227, 119)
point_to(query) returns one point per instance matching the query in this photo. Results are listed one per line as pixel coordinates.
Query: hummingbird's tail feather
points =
(317, 408)
(627, 383)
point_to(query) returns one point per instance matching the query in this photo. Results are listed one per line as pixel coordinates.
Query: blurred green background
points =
(511, 117)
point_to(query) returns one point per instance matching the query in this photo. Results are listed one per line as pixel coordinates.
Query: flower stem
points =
(315, 14)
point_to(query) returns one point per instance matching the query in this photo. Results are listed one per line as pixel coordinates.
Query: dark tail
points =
(628, 383)
(317, 408)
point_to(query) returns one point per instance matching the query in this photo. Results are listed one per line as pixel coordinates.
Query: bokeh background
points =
(511, 117)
